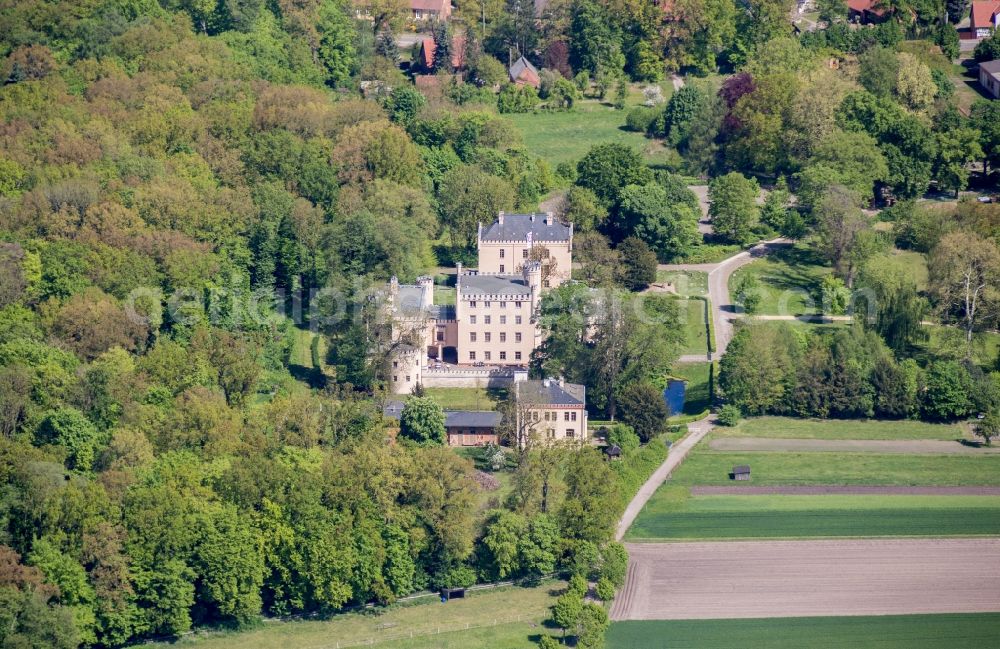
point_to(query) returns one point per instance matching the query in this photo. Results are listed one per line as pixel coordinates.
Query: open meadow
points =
(507, 618)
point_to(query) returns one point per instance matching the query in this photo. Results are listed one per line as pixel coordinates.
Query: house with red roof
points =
(865, 11)
(983, 18)
(522, 73)
(430, 9)
(428, 47)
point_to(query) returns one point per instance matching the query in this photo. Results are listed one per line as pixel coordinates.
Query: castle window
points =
(472, 356)
(395, 378)
(572, 416)
(517, 356)
(487, 336)
(395, 364)
(472, 319)
(517, 319)
(565, 416)
(503, 319)
(487, 355)
(440, 335)
(503, 336)
(570, 432)
(407, 378)
(503, 305)
(501, 268)
(486, 305)
(503, 356)
(472, 304)
(486, 319)
(517, 305)
(472, 336)
(517, 336)
(545, 283)
(524, 253)
(501, 254)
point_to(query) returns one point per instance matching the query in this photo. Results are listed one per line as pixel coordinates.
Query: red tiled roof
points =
(428, 46)
(861, 6)
(982, 13)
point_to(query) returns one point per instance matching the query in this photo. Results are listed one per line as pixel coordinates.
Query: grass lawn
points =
(692, 313)
(913, 263)
(774, 516)
(947, 631)
(686, 282)
(444, 295)
(493, 612)
(698, 396)
(787, 427)
(788, 281)
(951, 341)
(462, 398)
(567, 136)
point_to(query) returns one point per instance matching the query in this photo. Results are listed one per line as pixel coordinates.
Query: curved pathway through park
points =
(723, 311)
(723, 314)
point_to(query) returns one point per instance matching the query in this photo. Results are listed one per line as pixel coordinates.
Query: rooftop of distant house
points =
(523, 70)
(516, 227)
(452, 418)
(428, 46)
(861, 6)
(552, 392)
(982, 12)
(991, 68)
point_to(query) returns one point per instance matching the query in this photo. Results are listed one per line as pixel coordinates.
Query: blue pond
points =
(674, 396)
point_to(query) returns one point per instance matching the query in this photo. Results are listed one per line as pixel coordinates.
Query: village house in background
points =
(989, 77)
(983, 18)
(522, 73)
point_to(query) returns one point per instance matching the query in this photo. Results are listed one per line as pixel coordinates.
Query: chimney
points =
(548, 218)
(562, 382)
(546, 382)
(458, 269)
(500, 217)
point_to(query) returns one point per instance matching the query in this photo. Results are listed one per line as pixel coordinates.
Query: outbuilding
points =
(741, 472)
(612, 452)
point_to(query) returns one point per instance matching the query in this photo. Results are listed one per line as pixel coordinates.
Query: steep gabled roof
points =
(471, 419)
(982, 13)
(473, 285)
(523, 71)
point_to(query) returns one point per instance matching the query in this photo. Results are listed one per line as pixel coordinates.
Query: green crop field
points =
(787, 427)
(705, 467)
(771, 516)
(950, 631)
(490, 618)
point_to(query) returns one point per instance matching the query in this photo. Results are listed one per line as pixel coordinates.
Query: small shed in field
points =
(741, 472)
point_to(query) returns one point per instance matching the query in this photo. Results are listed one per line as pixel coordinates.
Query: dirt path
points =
(749, 579)
(847, 490)
(678, 451)
(903, 446)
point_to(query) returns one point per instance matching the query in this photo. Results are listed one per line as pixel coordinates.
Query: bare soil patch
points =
(757, 579)
(824, 490)
(903, 446)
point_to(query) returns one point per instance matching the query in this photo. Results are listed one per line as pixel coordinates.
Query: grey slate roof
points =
(471, 419)
(442, 311)
(740, 469)
(514, 285)
(991, 67)
(408, 298)
(548, 392)
(517, 226)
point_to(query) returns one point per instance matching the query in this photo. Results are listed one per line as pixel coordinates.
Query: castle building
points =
(493, 323)
(513, 239)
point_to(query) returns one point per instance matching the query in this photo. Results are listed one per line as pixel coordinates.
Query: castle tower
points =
(532, 273)
(404, 370)
(426, 285)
